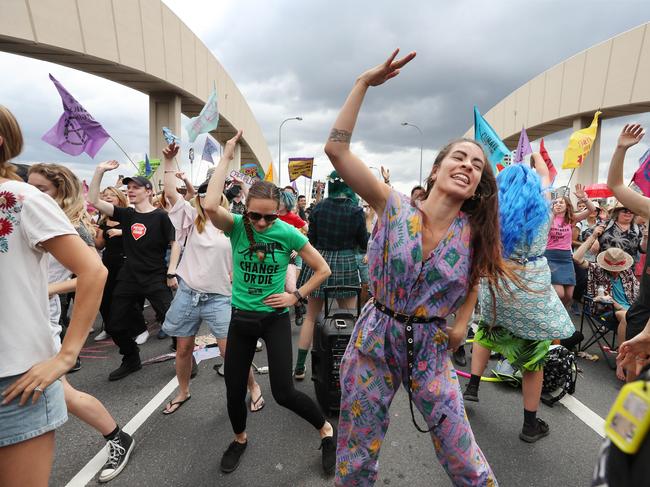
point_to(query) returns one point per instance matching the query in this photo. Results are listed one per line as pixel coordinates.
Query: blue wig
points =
(288, 199)
(523, 209)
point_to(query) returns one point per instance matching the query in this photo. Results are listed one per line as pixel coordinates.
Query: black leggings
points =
(245, 328)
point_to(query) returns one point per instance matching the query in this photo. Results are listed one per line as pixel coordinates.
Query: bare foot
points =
(176, 403)
(257, 401)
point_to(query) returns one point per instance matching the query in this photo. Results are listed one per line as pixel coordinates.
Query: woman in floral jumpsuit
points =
(424, 262)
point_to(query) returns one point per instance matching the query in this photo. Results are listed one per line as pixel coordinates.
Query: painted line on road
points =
(584, 414)
(89, 471)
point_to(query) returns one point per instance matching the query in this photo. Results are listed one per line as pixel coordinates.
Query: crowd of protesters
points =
(469, 246)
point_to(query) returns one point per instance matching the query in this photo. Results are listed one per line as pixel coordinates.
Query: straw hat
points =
(615, 260)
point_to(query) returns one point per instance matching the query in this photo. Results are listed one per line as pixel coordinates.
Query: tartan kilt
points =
(345, 272)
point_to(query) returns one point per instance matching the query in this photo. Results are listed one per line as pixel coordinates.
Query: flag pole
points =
(568, 183)
(127, 156)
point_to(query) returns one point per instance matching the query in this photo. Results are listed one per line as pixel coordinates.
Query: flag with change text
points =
(484, 134)
(76, 131)
(523, 147)
(642, 175)
(208, 149)
(207, 120)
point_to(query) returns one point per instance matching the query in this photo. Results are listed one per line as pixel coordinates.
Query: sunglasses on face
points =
(254, 216)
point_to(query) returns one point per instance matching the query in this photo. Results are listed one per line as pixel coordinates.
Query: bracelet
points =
(169, 171)
(297, 294)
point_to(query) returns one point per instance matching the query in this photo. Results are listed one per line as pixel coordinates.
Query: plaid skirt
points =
(345, 272)
(521, 353)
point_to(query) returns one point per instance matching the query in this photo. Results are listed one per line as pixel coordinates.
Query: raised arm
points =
(579, 255)
(93, 189)
(219, 216)
(540, 167)
(190, 192)
(639, 204)
(582, 196)
(83, 261)
(352, 169)
(169, 179)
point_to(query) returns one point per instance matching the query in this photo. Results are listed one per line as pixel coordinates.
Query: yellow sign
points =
(580, 144)
(300, 166)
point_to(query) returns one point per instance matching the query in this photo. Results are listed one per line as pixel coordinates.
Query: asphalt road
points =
(184, 449)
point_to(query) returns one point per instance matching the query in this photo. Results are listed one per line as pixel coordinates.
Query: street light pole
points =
(421, 144)
(280, 147)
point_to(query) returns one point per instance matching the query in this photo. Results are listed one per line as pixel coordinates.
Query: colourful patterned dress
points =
(374, 365)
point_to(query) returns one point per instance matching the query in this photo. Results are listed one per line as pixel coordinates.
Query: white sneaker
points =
(142, 338)
(259, 346)
(101, 336)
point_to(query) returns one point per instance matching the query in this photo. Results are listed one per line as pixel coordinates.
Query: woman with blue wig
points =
(521, 325)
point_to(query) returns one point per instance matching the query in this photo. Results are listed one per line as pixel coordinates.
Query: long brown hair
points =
(12, 144)
(261, 190)
(483, 212)
(569, 214)
(69, 193)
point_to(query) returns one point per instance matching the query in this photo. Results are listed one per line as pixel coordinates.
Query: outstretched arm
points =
(630, 135)
(93, 189)
(352, 169)
(219, 216)
(582, 196)
(171, 193)
(579, 255)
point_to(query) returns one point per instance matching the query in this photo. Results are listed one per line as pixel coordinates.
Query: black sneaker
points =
(129, 365)
(119, 450)
(532, 433)
(76, 366)
(471, 393)
(328, 450)
(231, 457)
(459, 357)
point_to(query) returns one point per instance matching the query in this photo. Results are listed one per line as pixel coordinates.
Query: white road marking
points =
(584, 414)
(89, 471)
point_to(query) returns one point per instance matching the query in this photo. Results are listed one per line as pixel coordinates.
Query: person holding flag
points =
(638, 315)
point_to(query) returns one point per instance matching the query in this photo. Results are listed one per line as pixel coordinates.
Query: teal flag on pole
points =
(206, 121)
(491, 142)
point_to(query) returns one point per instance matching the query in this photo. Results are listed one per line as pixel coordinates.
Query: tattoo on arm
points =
(337, 135)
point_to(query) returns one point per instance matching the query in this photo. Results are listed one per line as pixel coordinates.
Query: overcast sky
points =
(293, 58)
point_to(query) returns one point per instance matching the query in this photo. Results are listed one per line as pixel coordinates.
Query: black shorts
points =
(637, 318)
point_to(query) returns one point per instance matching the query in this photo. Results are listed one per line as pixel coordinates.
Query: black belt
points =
(524, 260)
(408, 320)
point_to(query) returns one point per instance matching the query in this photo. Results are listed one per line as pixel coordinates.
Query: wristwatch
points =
(171, 276)
(298, 296)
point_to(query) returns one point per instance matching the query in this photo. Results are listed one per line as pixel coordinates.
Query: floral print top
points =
(408, 282)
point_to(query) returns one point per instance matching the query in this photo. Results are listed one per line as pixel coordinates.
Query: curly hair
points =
(523, 209)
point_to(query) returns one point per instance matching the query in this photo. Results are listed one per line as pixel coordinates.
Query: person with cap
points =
(613, 273)
(622, 232)
(337, 228)
(204, 287)
(145, 274)
(638, 315)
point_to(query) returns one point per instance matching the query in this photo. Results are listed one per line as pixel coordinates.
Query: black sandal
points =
(171, 404)
(256, 402)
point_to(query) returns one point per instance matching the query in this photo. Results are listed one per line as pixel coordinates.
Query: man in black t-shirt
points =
(147, 233)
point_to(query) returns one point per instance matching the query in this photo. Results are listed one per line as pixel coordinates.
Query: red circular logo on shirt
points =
(138, 230)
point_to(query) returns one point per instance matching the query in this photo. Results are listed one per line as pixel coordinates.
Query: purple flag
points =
(76, 131)
(523, 147)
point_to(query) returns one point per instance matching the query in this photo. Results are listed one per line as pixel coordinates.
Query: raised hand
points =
(631, 134)
(171, 151)
(580, 192)
(385, 173)
(387, 70)
(108, 165)
(229, 149)
(181, 176)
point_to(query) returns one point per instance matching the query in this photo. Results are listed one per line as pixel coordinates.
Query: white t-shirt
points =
(206, 265)
(27, 218)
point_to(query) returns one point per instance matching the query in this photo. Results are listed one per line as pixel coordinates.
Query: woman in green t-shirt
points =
(262, 247)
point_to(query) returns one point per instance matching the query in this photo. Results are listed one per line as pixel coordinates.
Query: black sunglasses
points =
(254, 216)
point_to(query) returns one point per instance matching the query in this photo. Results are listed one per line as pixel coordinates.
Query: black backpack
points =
(560, 375)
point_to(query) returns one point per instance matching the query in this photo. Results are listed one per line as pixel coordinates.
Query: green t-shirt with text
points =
(254, 279)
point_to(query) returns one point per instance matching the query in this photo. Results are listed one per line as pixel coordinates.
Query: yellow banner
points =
(269, 173)
(300, 166)
(580, 144)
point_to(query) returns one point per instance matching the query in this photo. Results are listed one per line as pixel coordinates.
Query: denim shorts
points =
(22, 423)
(189, 308)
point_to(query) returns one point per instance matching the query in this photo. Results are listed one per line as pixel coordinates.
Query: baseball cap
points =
(139, 180)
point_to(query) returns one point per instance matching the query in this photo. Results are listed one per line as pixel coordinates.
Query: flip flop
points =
(171, 404)
(257, 404)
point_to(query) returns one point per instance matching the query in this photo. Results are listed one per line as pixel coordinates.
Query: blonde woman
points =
(109, 239)
(31, 226)
(204, 288)
(65, 188)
